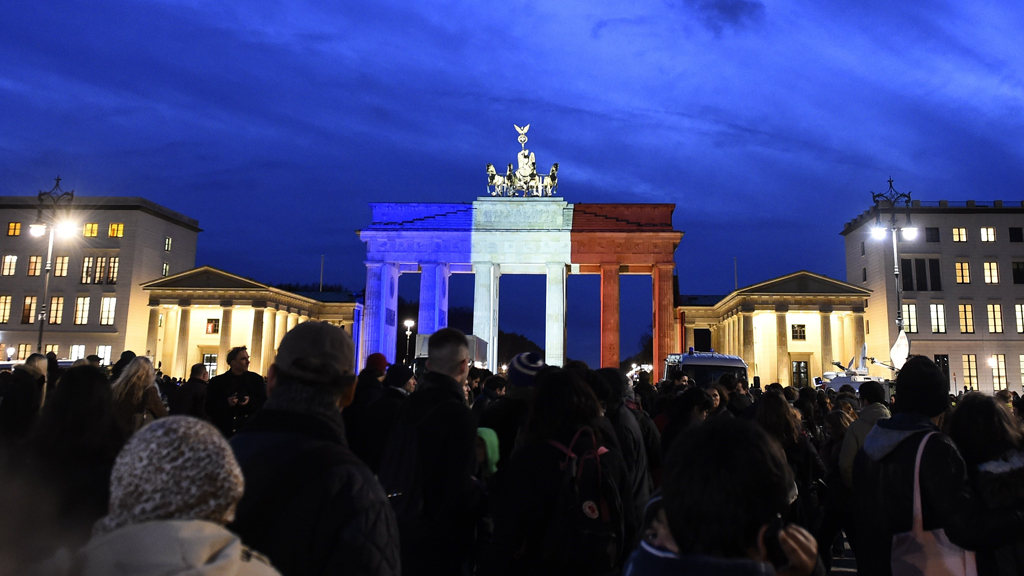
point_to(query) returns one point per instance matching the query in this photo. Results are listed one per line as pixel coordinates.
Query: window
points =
(116, 230)
(799, 332)
(1022, 368)
(938, 314)
(166, 269)
(56, 311)
(970, 371)
(910, 318)
(931, 234)
(991, 272)
(167, 244)
(861, 248)
(35, 265)
(966, 318)
(988, 234)
(863, 274)
(55, 348)
(24, 351)
(101, 267)
(210, 361)
(10, 263)
(115, 262)
(867, 326)
(77, 352)
(1017, 271)
(959, 234)
(915, 274)
(213, 326)
(1016, 234)
(14, 228)
(104, 353)
(998, 364)
(107, 305)
(82, 310)
(5, 309)
(28, 312)
(995, 318)
(60, 266)
(160, 321)
(1019, 313)
(88, 263)
(963, 273)
(91, 230)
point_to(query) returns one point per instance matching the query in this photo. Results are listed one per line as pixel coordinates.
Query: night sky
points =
(274, 123)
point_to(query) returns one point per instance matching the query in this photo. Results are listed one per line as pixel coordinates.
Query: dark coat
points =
(883, 478)
(189, 399)
(125, 410)
(647, 395)
(634, 455)
(484, 400)
(310, 505)
(381, 417)
(230, 419)
(359, 426)
(1001, 483)
(507, 416)
(808, 469)
(648, 560)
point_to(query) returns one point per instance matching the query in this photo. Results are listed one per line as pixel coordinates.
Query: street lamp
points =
(408, 338)
(892, 197)
(53, 201)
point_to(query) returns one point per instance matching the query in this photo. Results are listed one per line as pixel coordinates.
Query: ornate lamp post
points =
(408, 337)
(53, 201)
(892, 197)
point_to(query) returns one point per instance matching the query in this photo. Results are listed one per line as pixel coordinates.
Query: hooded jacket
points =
(1001, 483)
(883, 479)
(855, 436)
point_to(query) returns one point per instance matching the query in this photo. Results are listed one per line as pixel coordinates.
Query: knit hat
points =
(921, 388)
(377, 361)
(524, 368)
(316, 353)
(398, 375)
(177, 468)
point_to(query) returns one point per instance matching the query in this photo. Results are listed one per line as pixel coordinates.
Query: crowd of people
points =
(457, 471)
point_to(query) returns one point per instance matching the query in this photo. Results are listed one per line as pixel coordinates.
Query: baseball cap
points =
(316, 353)
(377, 361)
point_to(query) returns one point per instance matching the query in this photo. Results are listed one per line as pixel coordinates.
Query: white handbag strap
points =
(918, 520)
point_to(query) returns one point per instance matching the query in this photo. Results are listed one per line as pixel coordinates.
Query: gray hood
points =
(887, 434)
(872, 413)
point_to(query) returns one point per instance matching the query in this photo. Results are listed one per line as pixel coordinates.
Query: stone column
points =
(281, 329)
(784, 368)
(152, 332)
(293, 320)
(858, 336)
(181, 352)
(843, 350)
(302, 318)
(664, 302)
(433, 314)
(225, 335)
(487, 277)
(256, 350)
(689, 339)
(381, 308)
(270, 341)
(748, 342)
(826, 340)
(554, 331)
(610, 316)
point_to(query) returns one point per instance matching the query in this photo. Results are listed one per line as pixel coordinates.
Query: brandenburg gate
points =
(519, 227)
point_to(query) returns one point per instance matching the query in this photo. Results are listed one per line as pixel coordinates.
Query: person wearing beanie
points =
(382, 413)
(883, 478)
(506, 415)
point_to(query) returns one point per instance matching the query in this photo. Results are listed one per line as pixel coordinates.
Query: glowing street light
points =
(408, 338)
(52, 200)
(891, 197)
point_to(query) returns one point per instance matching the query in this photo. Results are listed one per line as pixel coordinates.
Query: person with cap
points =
(382, 414)
(884, 478)
(359, 428)
(507, 414)
(310, 504)
(234, 396)
(173, 488)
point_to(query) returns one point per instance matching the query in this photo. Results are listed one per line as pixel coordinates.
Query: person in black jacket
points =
(629, 436)
(382, 414)
(310, 505)
(507, 414)
(492, 389)
(189, 399)
(234, 396)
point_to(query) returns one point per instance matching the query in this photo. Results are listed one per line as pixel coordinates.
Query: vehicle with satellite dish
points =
(855, 376)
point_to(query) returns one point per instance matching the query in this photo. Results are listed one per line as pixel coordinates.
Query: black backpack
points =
(586, 534)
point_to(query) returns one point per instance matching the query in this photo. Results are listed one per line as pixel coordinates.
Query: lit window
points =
(167, 244)
(991, 273)
(959, 234)
(35, 265)
(28, 312)
(166, 269)
(210, 361)
(56, 312)
(938, 313)
(60, 266)
(970, 371)
(995, 318)
(77, 352)
(5, 309)
(104, 353)
(55, 348)
(799, 332)
(88, 263)
(963, 273)
(910, 318)
(115, 262)
(116, 230)
(14, 228)
(82, 310)
(988, 234)
(101, 267)
(213, 326)
(24, 351)
(10, 263)
(1019, 312)
(91, 230)
(966, 318)
(160, 321)
(998, 372)
(107, 305)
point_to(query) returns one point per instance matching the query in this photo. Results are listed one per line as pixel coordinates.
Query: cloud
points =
(717, 15)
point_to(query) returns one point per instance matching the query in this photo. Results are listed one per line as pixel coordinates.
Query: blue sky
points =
(273, 124)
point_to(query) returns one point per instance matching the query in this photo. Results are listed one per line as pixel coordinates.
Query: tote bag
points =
(920, 552)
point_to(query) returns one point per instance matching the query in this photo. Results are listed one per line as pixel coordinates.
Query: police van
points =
(704, 367)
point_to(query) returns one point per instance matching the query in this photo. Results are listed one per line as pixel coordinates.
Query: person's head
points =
(742, 385)
(618, 384)
(378, 363)
(94, 360)
(871, 393)
(643, 378)
(448, 354)
(20, 398)
(400, 376)
(238, 360)
(845, 404)
(713, 393)
(562, 402)
(724, 481)
(315, 364)
(774, 387)
(983, 430)
(778, 418)
(847, 389)
(921, 388)
(496, 384)
(198, 372)
(37, 363)
(177, 468)
(790, 394)
(692, 406)
(1004, 397)
(837, 423)
(131, 384)
(728, 382)
(523, 369)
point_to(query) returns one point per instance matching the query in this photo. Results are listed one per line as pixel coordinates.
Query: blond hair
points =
(136, 377)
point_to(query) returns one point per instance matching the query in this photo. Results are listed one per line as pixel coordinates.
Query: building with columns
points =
(788, 330)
